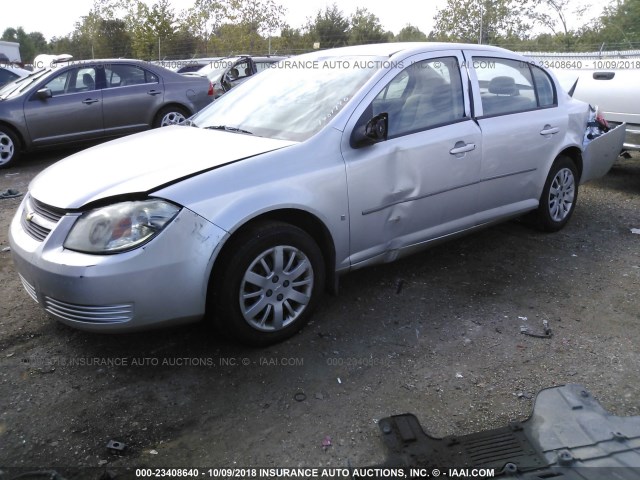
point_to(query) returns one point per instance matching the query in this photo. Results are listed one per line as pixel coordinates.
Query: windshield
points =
(16, 87)
(291, 100)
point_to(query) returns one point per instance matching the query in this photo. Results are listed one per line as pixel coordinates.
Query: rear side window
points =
(127, 75)
(260, 66)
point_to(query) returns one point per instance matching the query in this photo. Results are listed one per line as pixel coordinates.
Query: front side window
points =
(424, 95)
(240, 70)
(72, 81)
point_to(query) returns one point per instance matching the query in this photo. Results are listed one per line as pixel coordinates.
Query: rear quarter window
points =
(544, 87)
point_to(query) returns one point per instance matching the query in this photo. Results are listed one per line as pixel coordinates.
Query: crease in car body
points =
(403, 183)
(204, 170)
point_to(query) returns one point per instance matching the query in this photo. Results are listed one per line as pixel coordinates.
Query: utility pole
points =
(481, 15)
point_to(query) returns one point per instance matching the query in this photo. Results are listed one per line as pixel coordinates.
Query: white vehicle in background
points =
(610, 80)
(10, 52)
(45, 60)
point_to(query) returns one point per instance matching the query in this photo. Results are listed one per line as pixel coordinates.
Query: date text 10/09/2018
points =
(305, 473)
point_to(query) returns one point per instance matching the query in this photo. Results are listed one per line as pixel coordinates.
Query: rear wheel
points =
(171, 115)
(559, 196)
(9, 147)
(268, 285)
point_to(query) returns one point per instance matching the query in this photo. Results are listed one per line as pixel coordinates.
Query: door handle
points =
(603, 75)
(89, 101)
(154, 92)
(461, 147)
(549, 130)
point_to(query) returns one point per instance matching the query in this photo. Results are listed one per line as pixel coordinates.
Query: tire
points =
(559, 196)
(268, 285)
(9, 147)
(171, 115)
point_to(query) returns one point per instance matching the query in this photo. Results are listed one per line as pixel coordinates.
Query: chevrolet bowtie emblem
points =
(29, 216)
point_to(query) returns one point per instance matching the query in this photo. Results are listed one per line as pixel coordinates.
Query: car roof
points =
(390, 49)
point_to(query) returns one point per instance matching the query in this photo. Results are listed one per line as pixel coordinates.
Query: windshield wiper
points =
(227, 128)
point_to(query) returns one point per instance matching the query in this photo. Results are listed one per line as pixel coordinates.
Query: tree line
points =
(133, 28)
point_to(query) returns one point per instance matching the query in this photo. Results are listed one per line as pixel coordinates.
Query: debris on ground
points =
(116, 446)
(545, 327)
(10, 193)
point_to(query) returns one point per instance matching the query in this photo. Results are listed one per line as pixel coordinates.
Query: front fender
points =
(305, 177)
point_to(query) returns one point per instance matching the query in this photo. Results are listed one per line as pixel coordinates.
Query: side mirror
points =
(374, 131)
(44, 93)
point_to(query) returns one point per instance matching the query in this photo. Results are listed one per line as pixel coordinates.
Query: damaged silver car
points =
(326, 163)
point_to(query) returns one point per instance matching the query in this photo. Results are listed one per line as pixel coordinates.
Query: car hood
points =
(143, 162)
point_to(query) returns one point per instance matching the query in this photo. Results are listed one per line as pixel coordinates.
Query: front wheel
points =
(9, 147)
(268, 285)
(172, 115)
(559, 196)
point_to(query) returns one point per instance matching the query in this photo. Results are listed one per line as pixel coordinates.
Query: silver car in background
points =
(229, 72)
(72, 102)
(326, 163)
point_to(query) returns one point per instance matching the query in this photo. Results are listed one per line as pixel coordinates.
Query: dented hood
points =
(143, 162)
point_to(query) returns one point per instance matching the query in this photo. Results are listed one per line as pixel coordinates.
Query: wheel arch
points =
(21, 139)
(575, 155)
(302, 219)
(169, 105)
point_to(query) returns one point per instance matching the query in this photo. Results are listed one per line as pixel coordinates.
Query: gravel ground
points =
(437, 334)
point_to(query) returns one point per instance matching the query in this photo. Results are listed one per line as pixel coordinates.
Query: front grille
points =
(89, 313)
(31, 290)
(39, 219)
(50, 213)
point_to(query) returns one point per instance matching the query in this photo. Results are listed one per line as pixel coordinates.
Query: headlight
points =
(120, 227)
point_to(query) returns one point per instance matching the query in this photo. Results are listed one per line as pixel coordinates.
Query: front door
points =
(421, 183)
(73, 113)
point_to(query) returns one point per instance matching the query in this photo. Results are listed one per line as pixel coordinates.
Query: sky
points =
(51, 20)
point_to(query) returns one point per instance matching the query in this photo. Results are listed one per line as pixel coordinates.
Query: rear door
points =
(132, 96)
(522, 130)
(421, 183)
(73, 113)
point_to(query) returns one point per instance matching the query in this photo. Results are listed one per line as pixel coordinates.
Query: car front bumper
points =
(160, 283)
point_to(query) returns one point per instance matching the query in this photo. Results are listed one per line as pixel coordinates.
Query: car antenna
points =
(573, 88)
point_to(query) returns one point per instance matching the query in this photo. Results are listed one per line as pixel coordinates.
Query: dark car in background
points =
(76, 102)
(226, 73)
(9, 73)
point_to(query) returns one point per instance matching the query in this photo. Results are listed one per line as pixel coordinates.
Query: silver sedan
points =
(329, 162)
(75, 102)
